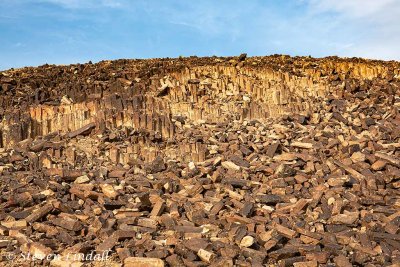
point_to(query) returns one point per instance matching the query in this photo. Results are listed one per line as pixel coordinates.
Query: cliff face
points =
(203, 161)
(147, 94)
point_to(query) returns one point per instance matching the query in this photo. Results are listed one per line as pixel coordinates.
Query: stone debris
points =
(239, 161)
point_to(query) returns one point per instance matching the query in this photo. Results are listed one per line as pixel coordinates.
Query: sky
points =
(35, 32)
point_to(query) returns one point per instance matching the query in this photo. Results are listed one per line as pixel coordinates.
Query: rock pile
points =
(242, 161)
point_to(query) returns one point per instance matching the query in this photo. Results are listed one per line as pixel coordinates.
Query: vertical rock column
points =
(15, 127)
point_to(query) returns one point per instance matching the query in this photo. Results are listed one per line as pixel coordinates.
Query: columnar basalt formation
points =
(133, 93)
(202, 161)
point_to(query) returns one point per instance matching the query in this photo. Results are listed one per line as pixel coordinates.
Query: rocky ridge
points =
(202, 161)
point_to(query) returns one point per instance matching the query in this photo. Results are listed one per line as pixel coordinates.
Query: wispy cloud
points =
(76, 4)
(354, 8)
(7, 17)
(374, 24)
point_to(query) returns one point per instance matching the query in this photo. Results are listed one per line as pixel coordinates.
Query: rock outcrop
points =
(238, 161)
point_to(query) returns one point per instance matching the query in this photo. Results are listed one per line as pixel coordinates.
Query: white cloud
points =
(356, 8)
(377, 12)
(374, 24)
(212, 18)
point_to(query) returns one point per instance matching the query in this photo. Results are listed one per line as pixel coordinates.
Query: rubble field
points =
(235, 161)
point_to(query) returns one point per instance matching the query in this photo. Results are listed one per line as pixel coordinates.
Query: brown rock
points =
(378, 165)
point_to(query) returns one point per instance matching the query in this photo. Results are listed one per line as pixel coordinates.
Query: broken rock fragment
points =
(143, 262)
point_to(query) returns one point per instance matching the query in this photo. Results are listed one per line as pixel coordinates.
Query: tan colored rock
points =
(143, 262)
(109, 190)
(230, 165)
(338, 181)
(14, 224)
(378, 165)
(247, 241)
(302, 145)
(205, 255)
(346, 218)
(82, 179)
(342, 261)
(306, 264)
(66, 100)
(358, 157)
(62, 262)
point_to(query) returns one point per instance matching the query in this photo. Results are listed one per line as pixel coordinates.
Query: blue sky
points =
(35, 32)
